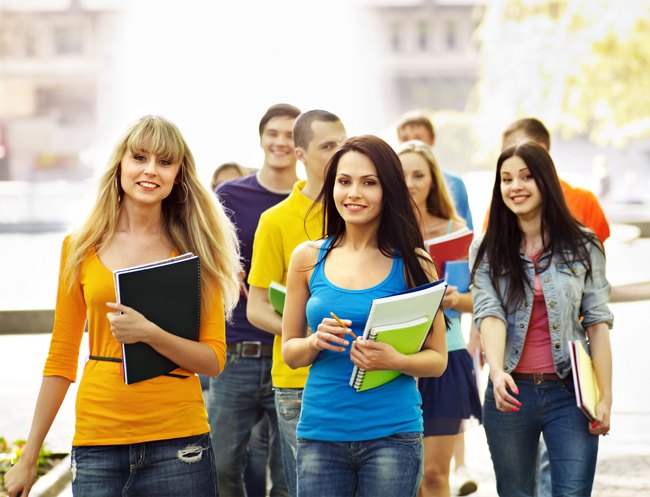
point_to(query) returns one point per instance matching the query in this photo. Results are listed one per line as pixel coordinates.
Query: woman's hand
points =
(20, 478)
(375, 356)
(130, 326)
(603, 413)
(501, 382)
(329, 333)
(450, 300)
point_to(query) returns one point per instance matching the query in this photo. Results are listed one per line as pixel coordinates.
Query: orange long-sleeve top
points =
(109, 412)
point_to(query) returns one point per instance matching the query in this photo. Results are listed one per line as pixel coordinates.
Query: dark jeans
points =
(256, 459)
(164, 468)
(550, 408)
(238, 396)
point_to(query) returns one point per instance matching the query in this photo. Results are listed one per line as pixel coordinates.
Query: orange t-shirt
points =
(584, 207)
(109, 412)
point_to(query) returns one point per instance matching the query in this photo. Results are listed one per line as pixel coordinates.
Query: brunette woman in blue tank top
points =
(358, 443)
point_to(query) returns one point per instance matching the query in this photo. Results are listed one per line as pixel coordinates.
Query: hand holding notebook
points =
(403, 321)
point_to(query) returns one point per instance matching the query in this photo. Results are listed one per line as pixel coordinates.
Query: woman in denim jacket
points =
(538, 282)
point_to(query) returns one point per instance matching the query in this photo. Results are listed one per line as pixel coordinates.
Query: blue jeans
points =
(549, 408)
(256, 459)
(389, 467)
(179, 466)
(288, 402)
(238, 396)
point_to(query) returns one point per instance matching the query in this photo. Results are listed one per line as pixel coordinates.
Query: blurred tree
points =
(579, 65)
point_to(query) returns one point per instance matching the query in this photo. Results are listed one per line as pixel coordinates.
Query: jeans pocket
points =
(289, 404)
(411, 437)
(568, 388)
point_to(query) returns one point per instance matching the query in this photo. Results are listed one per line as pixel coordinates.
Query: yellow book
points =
(584, 380)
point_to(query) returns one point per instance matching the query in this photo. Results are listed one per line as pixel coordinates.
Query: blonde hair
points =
(214, 183)
(192, 218)
(439, 201)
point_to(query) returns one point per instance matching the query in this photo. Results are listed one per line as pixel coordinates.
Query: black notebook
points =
(167, 293)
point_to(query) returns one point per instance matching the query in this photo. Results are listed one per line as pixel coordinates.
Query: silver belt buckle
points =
(245, 344)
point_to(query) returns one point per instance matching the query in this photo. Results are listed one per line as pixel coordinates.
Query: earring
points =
(187, 193)
(116, 183)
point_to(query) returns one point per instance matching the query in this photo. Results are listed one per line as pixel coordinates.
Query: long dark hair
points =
(398, 234)
(564, 238)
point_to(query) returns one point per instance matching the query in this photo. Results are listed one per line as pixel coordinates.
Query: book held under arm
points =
(402, 320)
(277, 296)
(167, 293)
(451, 247)
(457, 273)
(584, 380)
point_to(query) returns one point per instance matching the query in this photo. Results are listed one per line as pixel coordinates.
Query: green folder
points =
(407, 338)
(277, 295)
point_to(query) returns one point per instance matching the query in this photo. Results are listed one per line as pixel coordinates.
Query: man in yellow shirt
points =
(280, 230)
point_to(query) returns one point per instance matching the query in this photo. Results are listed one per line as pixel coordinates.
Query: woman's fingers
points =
(601, 426)
(504, 400)
(330, 337)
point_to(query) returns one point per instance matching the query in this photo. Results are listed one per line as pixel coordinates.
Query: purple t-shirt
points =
(245, 200)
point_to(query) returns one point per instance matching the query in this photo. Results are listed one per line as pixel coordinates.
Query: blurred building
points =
(428, 54)
(55, 61)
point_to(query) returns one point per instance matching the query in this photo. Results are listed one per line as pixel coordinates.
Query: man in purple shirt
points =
(243, 391)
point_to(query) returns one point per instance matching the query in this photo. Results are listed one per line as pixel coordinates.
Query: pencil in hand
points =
(341, 323)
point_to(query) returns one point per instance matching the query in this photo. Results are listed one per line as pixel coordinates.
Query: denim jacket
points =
(568, 292)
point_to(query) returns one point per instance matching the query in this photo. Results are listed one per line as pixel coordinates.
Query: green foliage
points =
(579, 65)
(10, 453)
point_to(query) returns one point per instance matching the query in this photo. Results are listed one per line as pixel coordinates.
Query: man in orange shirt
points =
(581, 202)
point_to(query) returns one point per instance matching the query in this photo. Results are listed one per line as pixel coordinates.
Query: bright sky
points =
(215, 67)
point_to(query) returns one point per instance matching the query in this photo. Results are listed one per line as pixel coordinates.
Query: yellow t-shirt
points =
(280, 230)
(109, 412)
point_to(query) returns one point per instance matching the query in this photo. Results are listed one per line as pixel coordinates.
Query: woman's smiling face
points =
(358, 194)
(146, 177)
(417, 174)
(519, 189)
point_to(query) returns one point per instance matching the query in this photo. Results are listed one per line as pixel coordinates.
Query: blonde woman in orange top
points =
(152, 437)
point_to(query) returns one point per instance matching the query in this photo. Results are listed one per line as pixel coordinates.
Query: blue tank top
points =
(331, 409)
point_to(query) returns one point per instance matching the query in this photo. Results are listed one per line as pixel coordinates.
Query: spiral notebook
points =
(407, 338)
(167, 293)
(402, 311)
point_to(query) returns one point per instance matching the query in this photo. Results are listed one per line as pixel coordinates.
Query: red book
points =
(451, 247)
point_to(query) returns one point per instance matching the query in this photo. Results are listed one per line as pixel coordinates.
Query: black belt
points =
(119, 361)
(540, 377)
(253, 350)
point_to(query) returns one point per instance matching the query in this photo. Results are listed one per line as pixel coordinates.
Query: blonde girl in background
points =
(450, 403)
